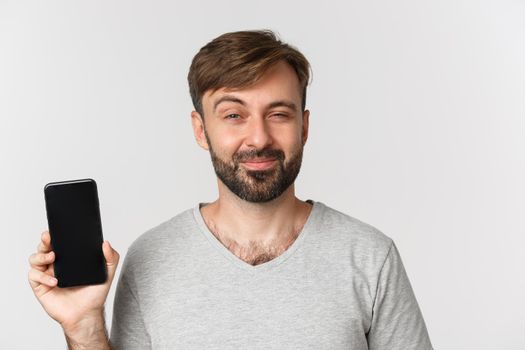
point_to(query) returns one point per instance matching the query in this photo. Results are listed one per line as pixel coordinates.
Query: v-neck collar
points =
(269, 264)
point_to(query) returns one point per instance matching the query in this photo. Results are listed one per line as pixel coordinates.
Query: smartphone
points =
(73, 217)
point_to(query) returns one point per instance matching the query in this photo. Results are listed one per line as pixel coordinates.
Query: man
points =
(257, 268)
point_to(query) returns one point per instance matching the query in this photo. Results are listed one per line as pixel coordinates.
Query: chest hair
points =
(256, 253)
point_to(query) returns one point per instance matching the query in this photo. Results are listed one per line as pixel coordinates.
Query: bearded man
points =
(257, 268)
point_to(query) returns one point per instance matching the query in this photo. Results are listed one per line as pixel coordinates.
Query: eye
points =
(232, 116)
(279, 115)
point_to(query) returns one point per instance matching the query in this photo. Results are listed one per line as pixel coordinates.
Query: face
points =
(255, 135)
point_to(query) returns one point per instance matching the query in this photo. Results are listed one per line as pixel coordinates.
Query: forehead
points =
(279, 82)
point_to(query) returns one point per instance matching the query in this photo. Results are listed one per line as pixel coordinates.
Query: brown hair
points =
(239, 59)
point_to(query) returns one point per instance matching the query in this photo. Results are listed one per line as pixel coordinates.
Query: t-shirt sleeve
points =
(127, 329)
(397, 322)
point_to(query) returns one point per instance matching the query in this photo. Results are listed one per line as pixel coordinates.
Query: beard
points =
(257, 186)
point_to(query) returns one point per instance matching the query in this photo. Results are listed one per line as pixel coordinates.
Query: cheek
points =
(291, 140)
(225, 143)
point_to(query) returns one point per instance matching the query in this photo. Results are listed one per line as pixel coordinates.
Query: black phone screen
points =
(75, 227)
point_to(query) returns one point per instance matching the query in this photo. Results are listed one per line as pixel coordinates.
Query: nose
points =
(258, 134)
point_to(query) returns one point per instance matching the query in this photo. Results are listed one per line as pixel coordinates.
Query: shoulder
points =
(350, 227)
(352, 235)
(158, 241)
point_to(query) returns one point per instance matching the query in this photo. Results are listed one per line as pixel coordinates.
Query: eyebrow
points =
(279, 103)
(283, 103)
(228, 98)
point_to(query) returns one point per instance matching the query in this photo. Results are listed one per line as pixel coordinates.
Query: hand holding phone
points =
(76, 308)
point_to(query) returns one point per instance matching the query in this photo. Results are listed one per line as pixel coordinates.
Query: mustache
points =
(263, 153)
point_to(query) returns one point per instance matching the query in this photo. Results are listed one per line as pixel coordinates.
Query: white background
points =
(417, 127)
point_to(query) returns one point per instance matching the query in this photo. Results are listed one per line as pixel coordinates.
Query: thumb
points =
(112, 258)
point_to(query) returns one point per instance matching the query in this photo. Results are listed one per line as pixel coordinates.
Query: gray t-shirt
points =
(340, 285)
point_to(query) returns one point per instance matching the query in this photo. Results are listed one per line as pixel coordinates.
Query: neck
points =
(233, 219)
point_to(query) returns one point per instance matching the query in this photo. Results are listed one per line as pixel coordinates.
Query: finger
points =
(40, 261)
(112, 257)
(37, 277)
(45, 243)
(50, 269)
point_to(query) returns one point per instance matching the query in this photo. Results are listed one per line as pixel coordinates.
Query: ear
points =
(198, 130)
(306, 121)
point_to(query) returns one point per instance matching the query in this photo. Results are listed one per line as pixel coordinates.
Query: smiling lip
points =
(259, 164)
